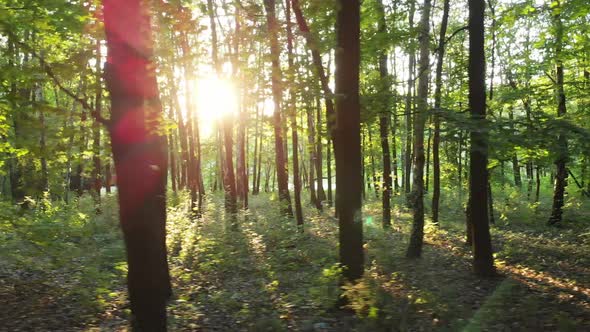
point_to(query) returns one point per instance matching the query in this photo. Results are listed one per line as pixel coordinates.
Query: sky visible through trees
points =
(305, 165)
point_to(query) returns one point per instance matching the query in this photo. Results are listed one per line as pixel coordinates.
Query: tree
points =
(348, 134)
(437, 110)
(293, 116)
(281, 157)
(562, 153)
(384, 121)
(483, 261)
(140, 155)
(417, 236)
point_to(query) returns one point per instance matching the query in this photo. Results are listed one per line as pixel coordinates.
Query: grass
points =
(260, 274)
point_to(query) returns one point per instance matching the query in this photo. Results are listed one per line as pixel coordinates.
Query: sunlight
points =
(216, 99)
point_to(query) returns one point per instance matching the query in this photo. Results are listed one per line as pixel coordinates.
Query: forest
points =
(294, 165)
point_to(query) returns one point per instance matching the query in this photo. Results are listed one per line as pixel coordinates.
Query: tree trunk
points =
(312, 156)
(437, 110)
(417, 236)
(560, 162)
(321, 194)
(483, 262)
(140, 155)
(384, 120)
(96, 171)
(409, 102)
(255, 164)
(293, 112)
(281, 158)
(319, 68)
(347, 134)
(329, 168)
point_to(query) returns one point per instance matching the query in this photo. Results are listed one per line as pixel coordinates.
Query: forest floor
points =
(62, 269)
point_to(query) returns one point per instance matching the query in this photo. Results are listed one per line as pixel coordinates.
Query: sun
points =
(216, 99)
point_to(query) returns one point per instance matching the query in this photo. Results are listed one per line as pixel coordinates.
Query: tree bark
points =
(562, 152)
(437, 110)
(347, 134)
(140, 155)
(281, 158)
(293, 113)
(483, 262)
(417, 236)
(384, 120)
(97, 169)
(409, 102)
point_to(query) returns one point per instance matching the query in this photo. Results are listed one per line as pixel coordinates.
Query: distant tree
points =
(281, 156)
(417, 237)
(562, 153)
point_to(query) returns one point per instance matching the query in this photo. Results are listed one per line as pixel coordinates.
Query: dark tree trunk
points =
(409, 103)
(255, 164)
(281, 157)
(96, 171)
(172, 161)
(140, 156)
(43, 154)
(373, 166)
(329, 169)
(108, 177)
(394, 153)
(562, 146)
(384, 121)
(538, 190)
(312, 156)
(293, 114)
(226, 123)
(317, 62)
(437, 110)
(321, 194)
(347, 134)
(417, 236)
(483, 261)
(192, 181)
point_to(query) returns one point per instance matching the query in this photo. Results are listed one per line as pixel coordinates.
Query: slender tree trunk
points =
(140, 162)
(329, 169)
(437, 110)
(417, 236)
(293, 112)
(255, 164)
(226, 123)
(172, 161)
(409, 102)
(384, 120)
(281, 158)
(373, 166)
(394, 153)
(483, 262)
(96, 171)
(428, 146)
(321, 193)
(312, 156)
(538, 190)
(192, 181)
(319, 68)
(560, 162)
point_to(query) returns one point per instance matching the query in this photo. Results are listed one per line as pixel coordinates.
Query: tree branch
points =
(453, 35)
(47, 68)
(549, 76)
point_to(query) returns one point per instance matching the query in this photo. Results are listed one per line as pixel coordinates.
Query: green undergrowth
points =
(62, 266)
